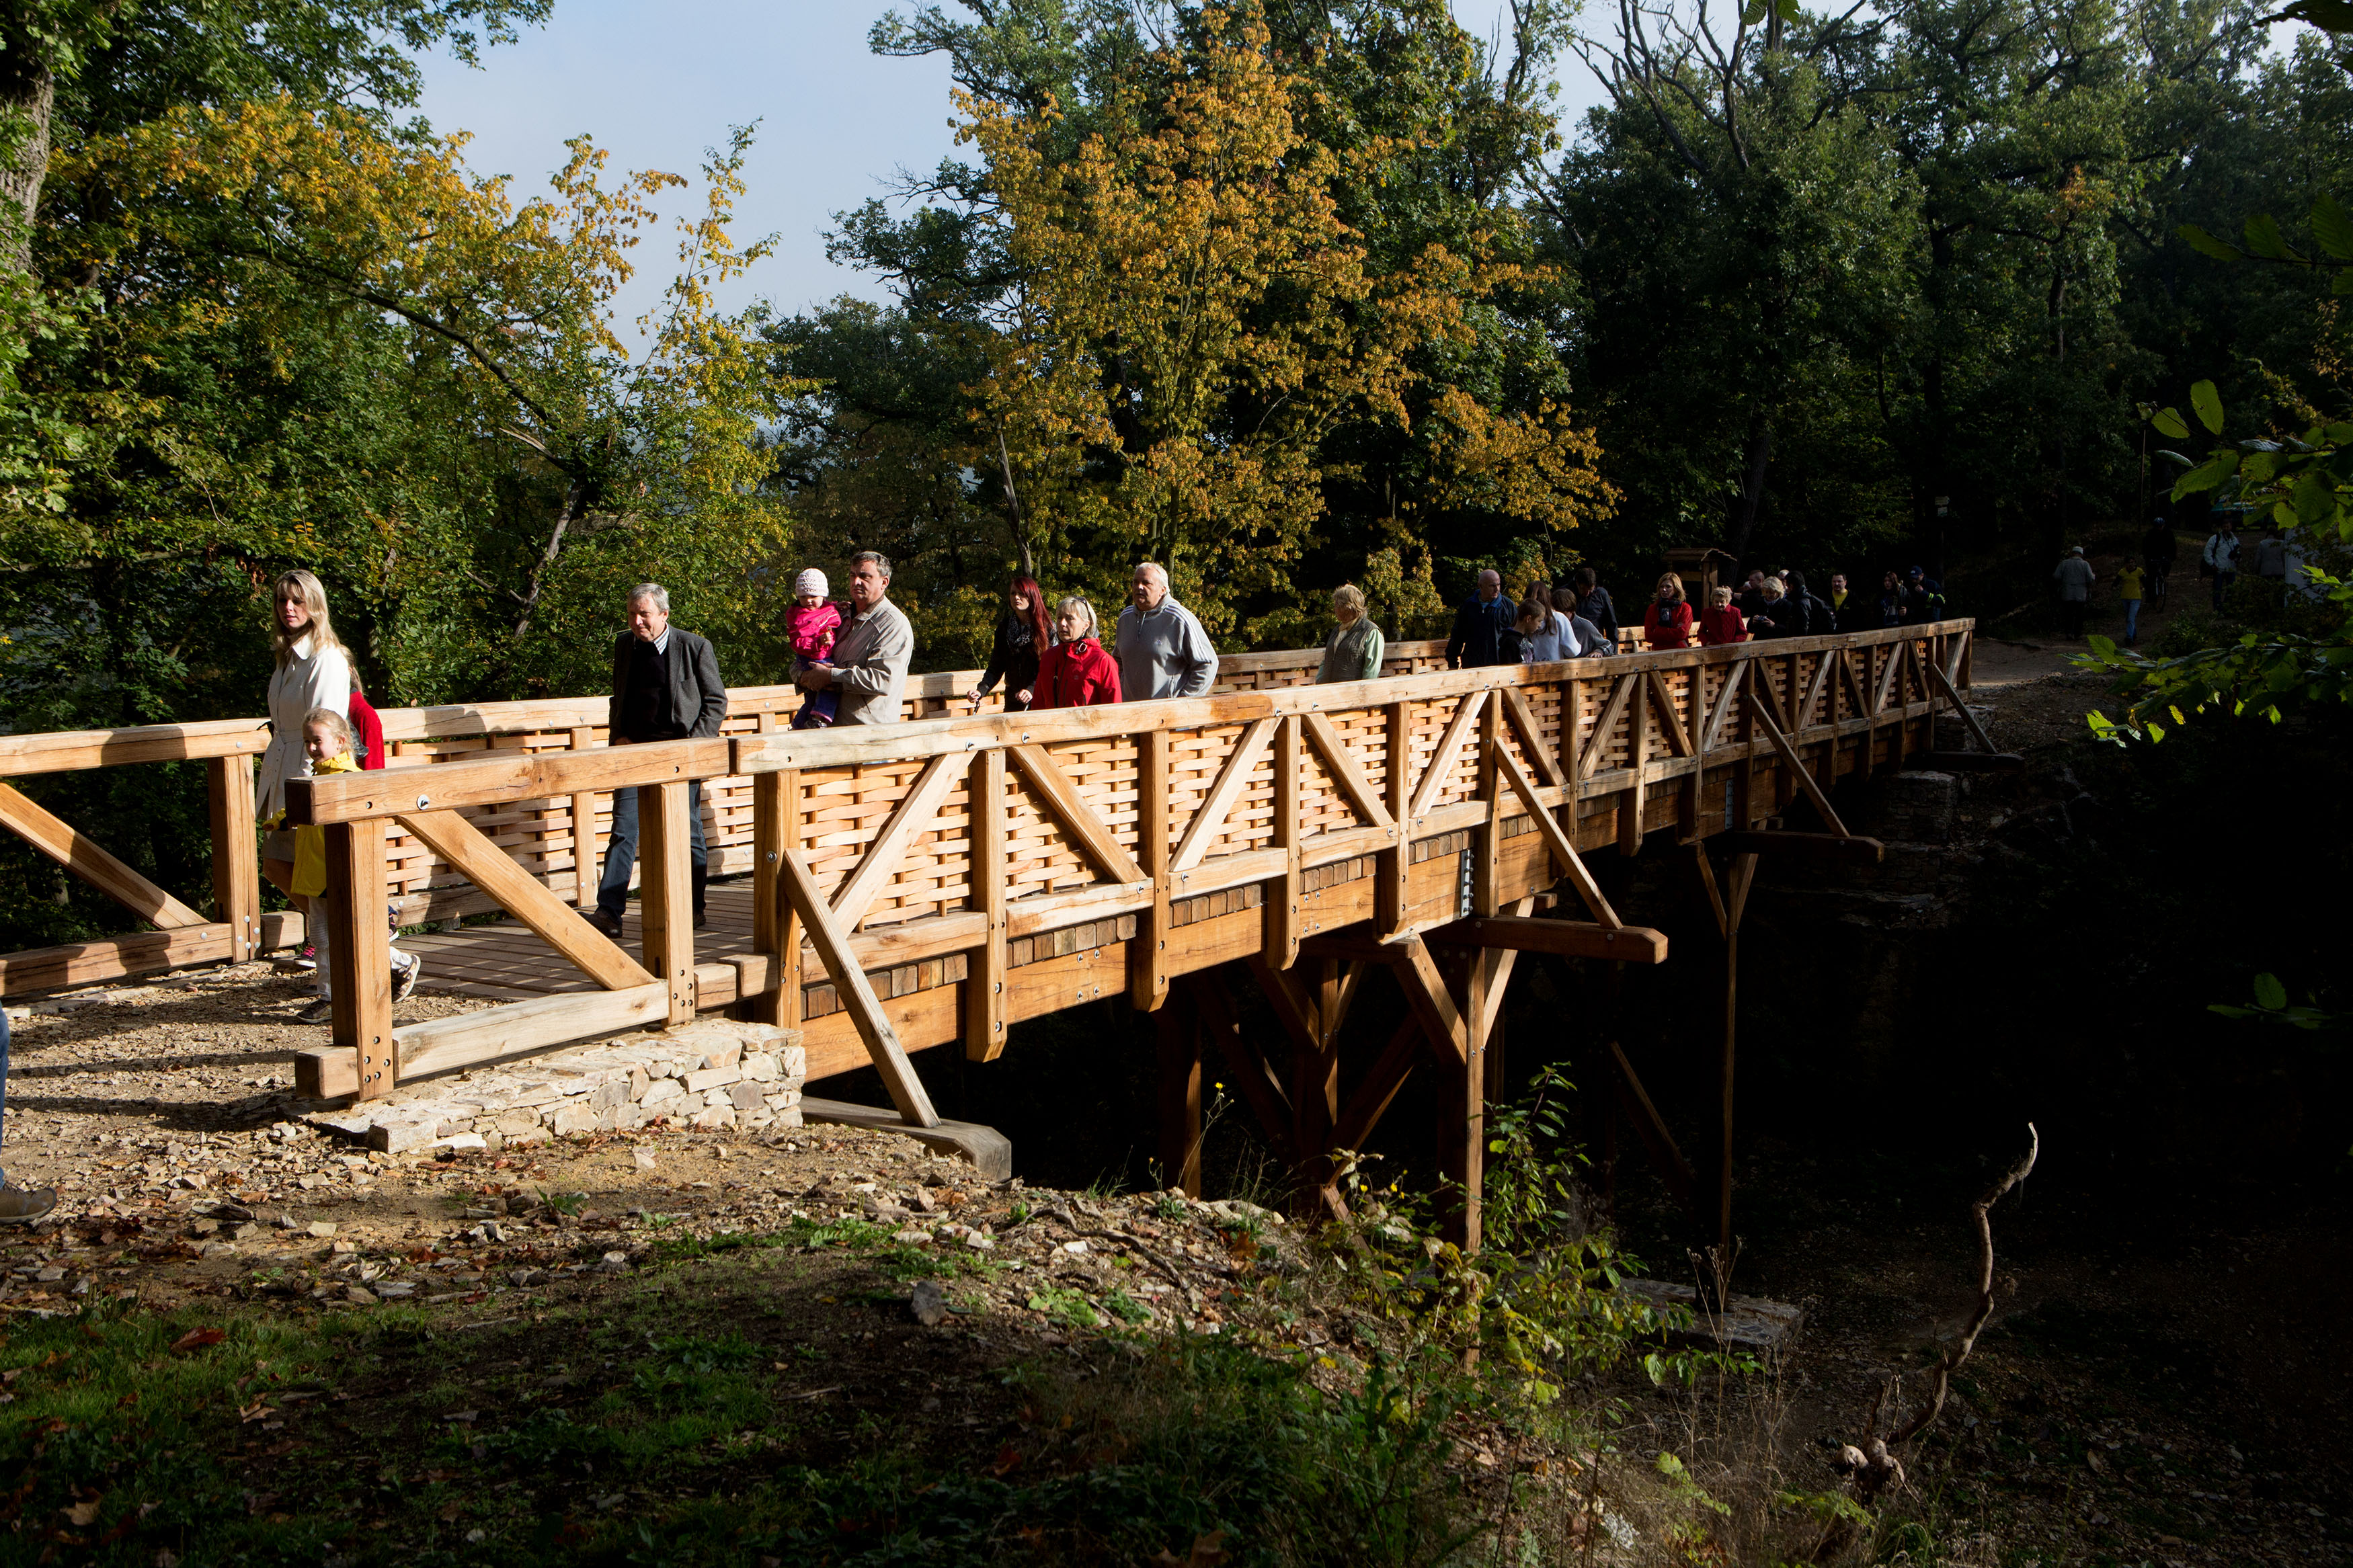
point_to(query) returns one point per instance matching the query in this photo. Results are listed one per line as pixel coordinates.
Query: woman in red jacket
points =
(1076, 672)
(1668, 620)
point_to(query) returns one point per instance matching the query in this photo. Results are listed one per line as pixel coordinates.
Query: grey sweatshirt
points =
(1165, 653)
(869, 666)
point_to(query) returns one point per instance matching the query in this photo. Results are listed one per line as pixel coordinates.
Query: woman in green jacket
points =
(1354, 652)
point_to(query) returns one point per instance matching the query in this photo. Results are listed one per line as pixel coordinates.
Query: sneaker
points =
(404, 977)
(20, 1205)
(320, 1011)
(308, 958)
(606, 923)
(701, 919)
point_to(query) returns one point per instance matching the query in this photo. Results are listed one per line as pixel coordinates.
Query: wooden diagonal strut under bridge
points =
(935, 882)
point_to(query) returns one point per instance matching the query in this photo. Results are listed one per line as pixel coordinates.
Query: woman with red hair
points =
(1022, 640)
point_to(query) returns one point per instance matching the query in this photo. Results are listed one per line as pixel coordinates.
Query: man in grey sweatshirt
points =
(1162, 650)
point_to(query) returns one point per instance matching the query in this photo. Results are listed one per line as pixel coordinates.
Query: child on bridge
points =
(813, 624)
(327, 743)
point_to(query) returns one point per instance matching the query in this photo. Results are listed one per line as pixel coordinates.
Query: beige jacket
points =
(869, 665)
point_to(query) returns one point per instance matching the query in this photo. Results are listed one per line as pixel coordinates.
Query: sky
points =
(659, 83)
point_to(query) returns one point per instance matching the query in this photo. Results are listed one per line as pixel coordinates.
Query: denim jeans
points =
(2223, 581)
(2132, 620)
(621, 850)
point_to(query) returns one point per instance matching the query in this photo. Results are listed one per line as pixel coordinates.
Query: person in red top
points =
(1723, 623)
(1076, 672)
(1667, 623)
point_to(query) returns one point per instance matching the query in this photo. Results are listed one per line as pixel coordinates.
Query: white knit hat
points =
(811, 581)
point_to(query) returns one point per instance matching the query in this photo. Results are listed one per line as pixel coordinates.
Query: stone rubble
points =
(711, 1075)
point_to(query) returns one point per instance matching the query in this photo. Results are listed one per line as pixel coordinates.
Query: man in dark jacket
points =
(2157, 549)
(1815, 614)
(1593, 603)
(1481, 622)
(666, 686)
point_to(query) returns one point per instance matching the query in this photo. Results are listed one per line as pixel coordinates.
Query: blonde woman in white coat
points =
(313, 672)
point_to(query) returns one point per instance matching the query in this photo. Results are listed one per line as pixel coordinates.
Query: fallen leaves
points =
(1208, 1552)
(197, 1338)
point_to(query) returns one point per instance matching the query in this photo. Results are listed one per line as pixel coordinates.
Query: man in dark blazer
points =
(666, 686)
(1482, 624)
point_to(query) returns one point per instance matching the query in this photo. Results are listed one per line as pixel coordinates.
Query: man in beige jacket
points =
(869, 665)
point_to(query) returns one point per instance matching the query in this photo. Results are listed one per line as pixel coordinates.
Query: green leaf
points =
(1789, 11)
(2205, 244)
(2206, 476)
(2264, 238)
(2171, 455)
(2344, 282)
(2332, 225)
(2314, 498)
(2168, 422)
(2208, 405)
(1752, 12)
(2270, 992)
(2328, 15)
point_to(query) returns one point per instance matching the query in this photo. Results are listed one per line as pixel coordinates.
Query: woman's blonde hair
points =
(1672, 586)
(333, 723)
(1074, 602)
(322, 629)
(1775, 586)
(1719, 597)
(1349, 597)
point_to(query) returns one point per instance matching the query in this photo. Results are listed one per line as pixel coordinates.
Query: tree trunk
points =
(576, 507)
(26, 92)
(1758, 453)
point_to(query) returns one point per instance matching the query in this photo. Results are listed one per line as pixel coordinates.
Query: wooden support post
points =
(665, 892)
(584, 830)
(1461, 1104)
(1254, 1078)
(1147, 955)
(1315, 1086)
(1687, 801)
(1637, 747)
(1572, 697)
(984, 983)
(1281, 945)
(360, 953)
(1395, 862)
(1177, 1039)
(858, 998)
(1487, 839)
(236, 853)
(1743, 873)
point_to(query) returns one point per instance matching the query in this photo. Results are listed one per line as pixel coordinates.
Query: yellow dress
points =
(311, 843)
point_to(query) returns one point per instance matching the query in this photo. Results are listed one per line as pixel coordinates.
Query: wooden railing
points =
(936, 881)
(552, 840)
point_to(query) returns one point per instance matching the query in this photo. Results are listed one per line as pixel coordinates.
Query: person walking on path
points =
(1162, 647)
(1076, 672)
(1352, 651)
(313, 672)
(666, 686)
(1592, 602)
(869, 667)
(18, 1205)
(1667, 623)
(1021, 642)
(2221, 558)
(2130, 582)
(2157, 549)
(2075, 577)
(1479, 622)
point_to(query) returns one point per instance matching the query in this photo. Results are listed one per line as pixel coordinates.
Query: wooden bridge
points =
(933, 882)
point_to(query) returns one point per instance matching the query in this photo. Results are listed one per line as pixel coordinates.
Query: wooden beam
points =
(525, 897)
(1735, 904)
(493, 1033)
(857, 892)
(237, 855)
(81, 963)
(360, 954)
(1228, 789)
(1253, 1077)
(585, 866)
(1148, 987)
(775, 929)
(1706, 868)
(1565, 939)
(1681, 1181)
(1395, 864)
(1177, 1047)
(502, 778)
(1557, 840)
(666, 892)
(1346, 772)
(1944, 683)
(1605, 721)
(1797, 769)
(1805, 845)
(1725, 700)
(858, 999)
(1671, 723)
(1531, 735)
(1631, 804)
(1282, 918)
(87, 860)
(1449, 746)
(1294, 1008)
(1426, 993)
(1854, 695)
(984, 980)
(1487, 839)
(1388, 1075)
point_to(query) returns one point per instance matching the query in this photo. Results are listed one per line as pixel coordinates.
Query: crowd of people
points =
(2142, 577)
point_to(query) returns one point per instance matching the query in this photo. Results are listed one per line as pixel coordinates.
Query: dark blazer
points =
(694, 685)
(1479, 633)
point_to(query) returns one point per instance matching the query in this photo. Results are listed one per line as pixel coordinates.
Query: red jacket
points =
(1725, 626)
(1075, 675)
(367, 730)
(1668, 628)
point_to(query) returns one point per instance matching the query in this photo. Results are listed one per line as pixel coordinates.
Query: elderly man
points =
(1480, 623)
(869, 667)
(1161, 647)
(666, 686)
